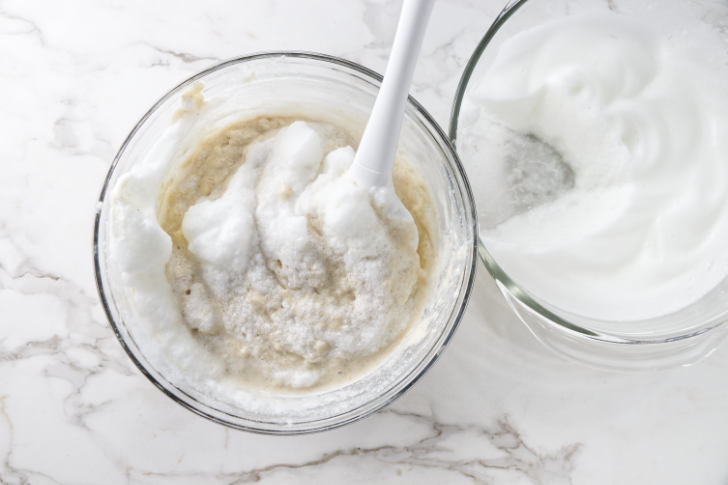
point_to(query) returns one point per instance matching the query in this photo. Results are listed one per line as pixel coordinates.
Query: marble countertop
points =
(497, 408)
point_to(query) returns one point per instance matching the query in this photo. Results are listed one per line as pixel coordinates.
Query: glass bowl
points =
(328, 89)
(680, 337)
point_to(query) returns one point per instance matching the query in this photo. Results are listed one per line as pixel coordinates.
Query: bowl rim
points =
(519, 293)
(366, 409)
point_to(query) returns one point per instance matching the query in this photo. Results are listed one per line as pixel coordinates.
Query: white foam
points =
(643, 230)
(221, 232)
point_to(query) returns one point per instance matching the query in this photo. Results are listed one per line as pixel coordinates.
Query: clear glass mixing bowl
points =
(681, 337)
(329, 89)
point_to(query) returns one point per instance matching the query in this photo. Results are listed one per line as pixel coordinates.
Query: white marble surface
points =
(497, 408)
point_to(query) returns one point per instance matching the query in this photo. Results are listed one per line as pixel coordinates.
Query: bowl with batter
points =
(250, 278)
(595, 136)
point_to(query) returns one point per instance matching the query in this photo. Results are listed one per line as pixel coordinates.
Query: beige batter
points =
(259, 350)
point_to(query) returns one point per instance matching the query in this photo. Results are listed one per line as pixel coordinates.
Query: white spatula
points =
(374, 159)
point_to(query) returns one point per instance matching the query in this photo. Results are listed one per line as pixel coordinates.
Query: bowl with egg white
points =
(594, 135)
